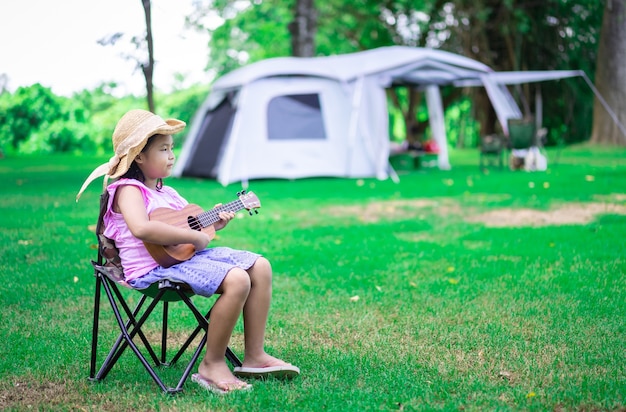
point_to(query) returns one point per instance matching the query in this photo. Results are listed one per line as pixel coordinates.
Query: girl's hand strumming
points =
(201, 241)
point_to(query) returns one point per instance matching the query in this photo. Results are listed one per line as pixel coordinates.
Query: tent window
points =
(295, 117)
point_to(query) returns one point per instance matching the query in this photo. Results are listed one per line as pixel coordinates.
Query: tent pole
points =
(605, 104)
(437, 124)
(538, 107)
(354, 121)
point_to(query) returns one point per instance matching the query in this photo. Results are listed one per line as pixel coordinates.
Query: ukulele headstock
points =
(250, 201)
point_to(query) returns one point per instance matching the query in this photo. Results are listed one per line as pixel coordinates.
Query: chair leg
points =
(132, 319)
(113, 354)
(232, 358)
(125, 337)
(94, 332)
(164, 335)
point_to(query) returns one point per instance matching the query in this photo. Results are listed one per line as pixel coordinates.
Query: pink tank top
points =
(136, 260)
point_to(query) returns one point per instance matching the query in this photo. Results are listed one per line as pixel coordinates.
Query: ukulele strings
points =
(211, 216)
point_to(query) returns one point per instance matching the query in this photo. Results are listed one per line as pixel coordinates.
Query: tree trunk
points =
(148, 68)
(303, 29)
(482, 43)
(611, 75)
(414, 129)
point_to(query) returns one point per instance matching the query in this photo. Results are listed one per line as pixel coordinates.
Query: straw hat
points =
(129, 137)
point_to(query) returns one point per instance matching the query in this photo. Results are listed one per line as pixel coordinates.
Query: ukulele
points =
(193, 217)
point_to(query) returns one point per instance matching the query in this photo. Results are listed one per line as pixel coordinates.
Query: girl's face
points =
(158, 159)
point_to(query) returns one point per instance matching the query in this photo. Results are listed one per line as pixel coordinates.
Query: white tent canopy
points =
(292, 117)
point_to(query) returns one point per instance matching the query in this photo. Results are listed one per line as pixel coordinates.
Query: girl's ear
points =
(139, 158)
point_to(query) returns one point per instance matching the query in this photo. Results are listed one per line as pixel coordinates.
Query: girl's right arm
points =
(129, 202)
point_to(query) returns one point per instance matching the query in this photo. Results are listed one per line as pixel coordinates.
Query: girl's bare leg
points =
(234, 291)
(255, 313)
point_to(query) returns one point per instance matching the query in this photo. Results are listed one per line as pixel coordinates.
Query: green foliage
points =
(259, 30)
(565, 36)
(34, 120)
(349, 26)
(183, 104)
(388, 296)
(29, 110)
(461, 127)
(249, 33)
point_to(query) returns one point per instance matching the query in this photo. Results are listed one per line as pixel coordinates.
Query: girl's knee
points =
(237, 281)
(262, 265)
(262, 269)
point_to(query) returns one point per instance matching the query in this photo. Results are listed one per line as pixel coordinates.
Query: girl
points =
(143, 157)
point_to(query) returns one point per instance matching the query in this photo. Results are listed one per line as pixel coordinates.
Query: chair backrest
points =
(522, 133)
(109, 262)
(491, 144)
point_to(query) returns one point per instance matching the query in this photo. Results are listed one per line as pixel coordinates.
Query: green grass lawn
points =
(449, 290)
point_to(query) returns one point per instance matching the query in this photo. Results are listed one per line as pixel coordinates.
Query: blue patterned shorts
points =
(204, 272)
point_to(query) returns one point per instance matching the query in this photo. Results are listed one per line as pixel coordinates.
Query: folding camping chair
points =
(523, 135)
(109, 277)
(491, 151)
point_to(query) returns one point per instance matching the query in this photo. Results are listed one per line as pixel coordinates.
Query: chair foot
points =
(173, 391)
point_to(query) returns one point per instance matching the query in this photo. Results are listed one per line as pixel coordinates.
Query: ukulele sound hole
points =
(194, 223)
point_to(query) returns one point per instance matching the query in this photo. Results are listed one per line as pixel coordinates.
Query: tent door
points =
(207, 150)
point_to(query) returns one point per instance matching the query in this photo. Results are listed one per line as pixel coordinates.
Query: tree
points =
(148, 67)
(33, 119)
(241, 32)
(143, 44)
(28, 110)
(611, 75)
(303, 28)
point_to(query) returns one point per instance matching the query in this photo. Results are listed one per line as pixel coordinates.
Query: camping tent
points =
(293, 117)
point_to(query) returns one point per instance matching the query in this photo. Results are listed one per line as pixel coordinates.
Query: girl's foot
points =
(217, 375)
(265, 367)
(264, 361)
(221, 388)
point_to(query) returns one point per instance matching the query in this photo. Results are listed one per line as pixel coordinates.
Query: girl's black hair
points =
(134, 172)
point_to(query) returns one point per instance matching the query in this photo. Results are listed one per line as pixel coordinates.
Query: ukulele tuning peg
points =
(250, 212)
(256, 212)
